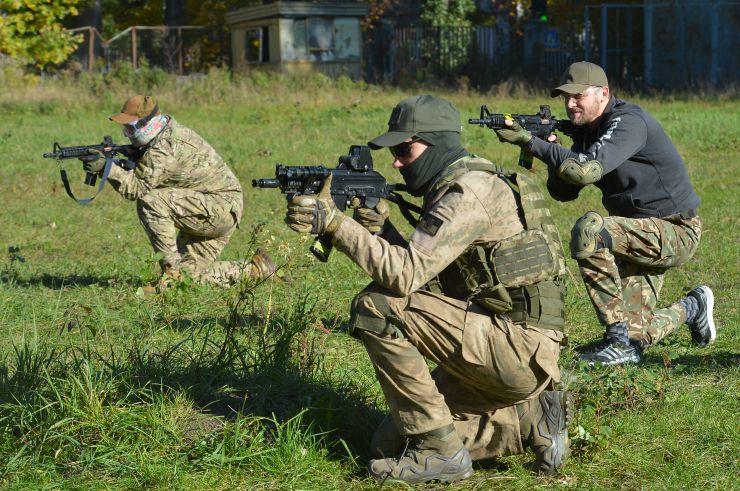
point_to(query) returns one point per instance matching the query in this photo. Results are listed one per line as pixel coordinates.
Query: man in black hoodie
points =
(652, 224)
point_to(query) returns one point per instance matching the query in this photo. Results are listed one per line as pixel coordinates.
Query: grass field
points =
(261, 387)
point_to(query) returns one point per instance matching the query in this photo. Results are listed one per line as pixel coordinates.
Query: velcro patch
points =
(430, 224)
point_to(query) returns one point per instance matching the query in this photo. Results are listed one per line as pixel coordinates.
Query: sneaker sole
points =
(710, 315)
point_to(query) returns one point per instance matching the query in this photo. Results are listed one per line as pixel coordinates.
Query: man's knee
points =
(153, 205)
(589, 235)
(371, 312)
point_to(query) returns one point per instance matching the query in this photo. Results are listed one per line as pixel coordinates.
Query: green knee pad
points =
(588, 236)
(362, 319)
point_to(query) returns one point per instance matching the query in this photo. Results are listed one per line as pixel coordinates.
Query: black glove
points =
(93, 162)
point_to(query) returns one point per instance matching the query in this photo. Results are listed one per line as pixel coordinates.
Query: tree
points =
(447, 12)
(31, 30)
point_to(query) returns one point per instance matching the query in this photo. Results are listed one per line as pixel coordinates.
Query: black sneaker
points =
(613, 353)
(702, 327)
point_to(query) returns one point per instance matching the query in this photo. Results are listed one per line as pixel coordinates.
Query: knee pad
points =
(588, 236)
(581, 174)
(371, 312)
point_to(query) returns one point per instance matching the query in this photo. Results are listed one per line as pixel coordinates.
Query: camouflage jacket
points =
(476, 208)
(178, 158)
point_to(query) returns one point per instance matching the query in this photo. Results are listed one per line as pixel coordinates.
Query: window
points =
(257, 45)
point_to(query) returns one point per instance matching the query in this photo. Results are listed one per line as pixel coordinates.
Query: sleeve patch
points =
(430, 225)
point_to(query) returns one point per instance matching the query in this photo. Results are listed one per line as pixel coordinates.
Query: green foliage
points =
(31, 30)
(447, 13)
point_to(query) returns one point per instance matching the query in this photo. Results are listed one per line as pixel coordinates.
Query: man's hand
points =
(373, 219)
(93, 162)
(514, 134)
(314, 214)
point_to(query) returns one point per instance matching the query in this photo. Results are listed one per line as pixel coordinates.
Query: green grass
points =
(260, 387)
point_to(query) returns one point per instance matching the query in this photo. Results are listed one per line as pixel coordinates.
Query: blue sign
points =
(551, 38)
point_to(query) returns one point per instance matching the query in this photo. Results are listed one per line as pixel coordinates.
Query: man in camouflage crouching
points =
(653, 224)
(188, 200)
(476, 289)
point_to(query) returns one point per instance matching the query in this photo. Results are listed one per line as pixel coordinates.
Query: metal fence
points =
(651, 45)
(480, 55)
(177, 49)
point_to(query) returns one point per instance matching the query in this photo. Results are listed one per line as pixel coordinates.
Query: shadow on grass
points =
(699, 363)
(57, 282)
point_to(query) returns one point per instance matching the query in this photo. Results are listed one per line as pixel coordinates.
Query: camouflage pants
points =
(624, 282)
(485, 366)
(191, 230)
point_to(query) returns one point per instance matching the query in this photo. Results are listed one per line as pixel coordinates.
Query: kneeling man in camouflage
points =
(477, 289)
(187, 198)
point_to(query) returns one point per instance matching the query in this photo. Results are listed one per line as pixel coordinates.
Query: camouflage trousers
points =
(191, 229)
(624, 282)
(485, 366)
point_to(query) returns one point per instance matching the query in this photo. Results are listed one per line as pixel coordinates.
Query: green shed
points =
(298, 37)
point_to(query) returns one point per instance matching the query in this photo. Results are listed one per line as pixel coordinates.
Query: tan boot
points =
(437, 455)
(262, 266)
(543, 422)
(169, 276)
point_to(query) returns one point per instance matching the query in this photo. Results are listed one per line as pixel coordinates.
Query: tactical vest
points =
(519, 277)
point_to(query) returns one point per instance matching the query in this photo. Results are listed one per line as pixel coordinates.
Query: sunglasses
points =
(403, 149)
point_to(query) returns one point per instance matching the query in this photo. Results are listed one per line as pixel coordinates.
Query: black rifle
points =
(354, 184)
(539, 125)
(107, 148)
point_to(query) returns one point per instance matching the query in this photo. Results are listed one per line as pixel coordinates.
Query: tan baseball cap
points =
(580, 76)
(136, 107)
(418, 114)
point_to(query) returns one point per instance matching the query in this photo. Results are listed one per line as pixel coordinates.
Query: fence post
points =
(604, 34)
(90, 48)
(648, 78)
(133, 47)
(179, 49)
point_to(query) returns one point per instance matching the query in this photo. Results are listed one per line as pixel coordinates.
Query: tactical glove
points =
(93, 162)
(373, 219)
(514, 134)
(314, 214)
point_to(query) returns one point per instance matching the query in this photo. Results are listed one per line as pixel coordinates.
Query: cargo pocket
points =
(476, 342)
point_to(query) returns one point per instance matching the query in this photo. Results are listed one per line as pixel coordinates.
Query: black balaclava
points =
(444, 149)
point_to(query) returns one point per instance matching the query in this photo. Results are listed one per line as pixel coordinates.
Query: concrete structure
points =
(298, 37)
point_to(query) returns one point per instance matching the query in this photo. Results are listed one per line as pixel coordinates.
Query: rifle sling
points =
(104, 177)
(406, 208)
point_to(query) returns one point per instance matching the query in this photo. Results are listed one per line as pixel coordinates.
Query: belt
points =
(684, 215)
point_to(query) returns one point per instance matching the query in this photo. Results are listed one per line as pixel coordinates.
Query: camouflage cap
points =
(580, 76)
(136, 107)
(418, 114)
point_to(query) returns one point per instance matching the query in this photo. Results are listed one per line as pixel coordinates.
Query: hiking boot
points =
(544, 428)
(262, 266)
(438, 455)
(701, 324)
(613, 352)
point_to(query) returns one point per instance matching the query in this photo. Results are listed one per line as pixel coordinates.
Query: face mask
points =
(142, 135)
(444, 149)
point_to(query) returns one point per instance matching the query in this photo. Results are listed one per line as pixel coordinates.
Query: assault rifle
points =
(107, 148)
(540, 125)
(354, 184)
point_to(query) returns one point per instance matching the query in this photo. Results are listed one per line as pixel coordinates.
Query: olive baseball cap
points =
(418, 114)
(136, 107)
(580, 76)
